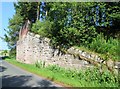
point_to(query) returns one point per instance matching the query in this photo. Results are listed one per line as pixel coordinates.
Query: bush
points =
(89, 77)
(40, 64)
(42, 28)
(71, 36)
(100, 45)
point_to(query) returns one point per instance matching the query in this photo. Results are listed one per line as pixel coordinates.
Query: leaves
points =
(68, 24)
(42, 28)
(28, 10)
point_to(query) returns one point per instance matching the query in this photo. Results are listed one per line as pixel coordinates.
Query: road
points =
(13, 76)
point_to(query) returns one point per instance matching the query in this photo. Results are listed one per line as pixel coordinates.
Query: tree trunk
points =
(38, 11)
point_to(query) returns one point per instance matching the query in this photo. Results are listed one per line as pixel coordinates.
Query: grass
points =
(88, 78)
(86, 49)
(107, 49)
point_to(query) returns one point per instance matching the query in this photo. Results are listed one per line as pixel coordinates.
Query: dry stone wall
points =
(34, 48)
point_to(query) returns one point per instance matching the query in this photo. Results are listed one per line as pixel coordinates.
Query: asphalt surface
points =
(13, 76)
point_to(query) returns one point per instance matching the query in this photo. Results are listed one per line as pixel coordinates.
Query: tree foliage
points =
(11, 35)
(86, 18)
(79, 24)
(67, 23)
(28, 10)
(42, 28)
(24, 11)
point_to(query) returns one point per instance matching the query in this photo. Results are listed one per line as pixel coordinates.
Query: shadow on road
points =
(44, 83)
(14, 81)
(4, 57)
(47, 84)
(24, 81)
(2, 69)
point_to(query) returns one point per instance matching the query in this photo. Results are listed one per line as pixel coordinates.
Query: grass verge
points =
(88, 78)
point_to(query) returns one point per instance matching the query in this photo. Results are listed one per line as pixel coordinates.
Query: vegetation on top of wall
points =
(78, 26)
(42, 28)
(106, 49)
(109, 47)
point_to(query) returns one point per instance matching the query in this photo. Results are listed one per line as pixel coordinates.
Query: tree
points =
(114, 14)
(4, 52)
(24, 11)
(66, 23)
(38, 11)
(28, 10)
(71, 26)
(11, 35)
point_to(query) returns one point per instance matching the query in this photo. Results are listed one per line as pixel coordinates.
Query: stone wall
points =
(34, 48)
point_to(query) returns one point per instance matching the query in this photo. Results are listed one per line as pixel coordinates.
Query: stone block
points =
(35, 47)
(37, 36)
(86, 63)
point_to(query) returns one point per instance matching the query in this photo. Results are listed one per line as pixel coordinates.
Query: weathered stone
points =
(34, 48)
(80, 51)
(56, 52)
(116, 67)
(92, 56)
(110, 64)
(96, 58)
(31, 34)
(86, 63)
(37, 36)
(77, 62)
(87, 55)
(83, 54)
(71, 50)
(117, 64)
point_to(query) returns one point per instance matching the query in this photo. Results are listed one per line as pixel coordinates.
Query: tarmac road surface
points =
(13, 76)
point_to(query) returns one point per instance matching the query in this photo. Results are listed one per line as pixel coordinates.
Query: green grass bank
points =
(66, 77)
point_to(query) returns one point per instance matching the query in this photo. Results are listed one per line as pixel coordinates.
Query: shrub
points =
(70, 36)
(100, 45)
(42, 28)
(40, 64)
(89, 77)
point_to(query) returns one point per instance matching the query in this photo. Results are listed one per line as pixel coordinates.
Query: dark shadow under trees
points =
(23, 81)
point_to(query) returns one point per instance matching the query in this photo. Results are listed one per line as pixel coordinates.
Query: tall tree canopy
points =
(28, 10)
(66, 23)
(76, 23)
(24, 11)
(11, 35)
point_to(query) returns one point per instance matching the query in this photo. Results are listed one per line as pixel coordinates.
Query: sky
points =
(7, 10)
